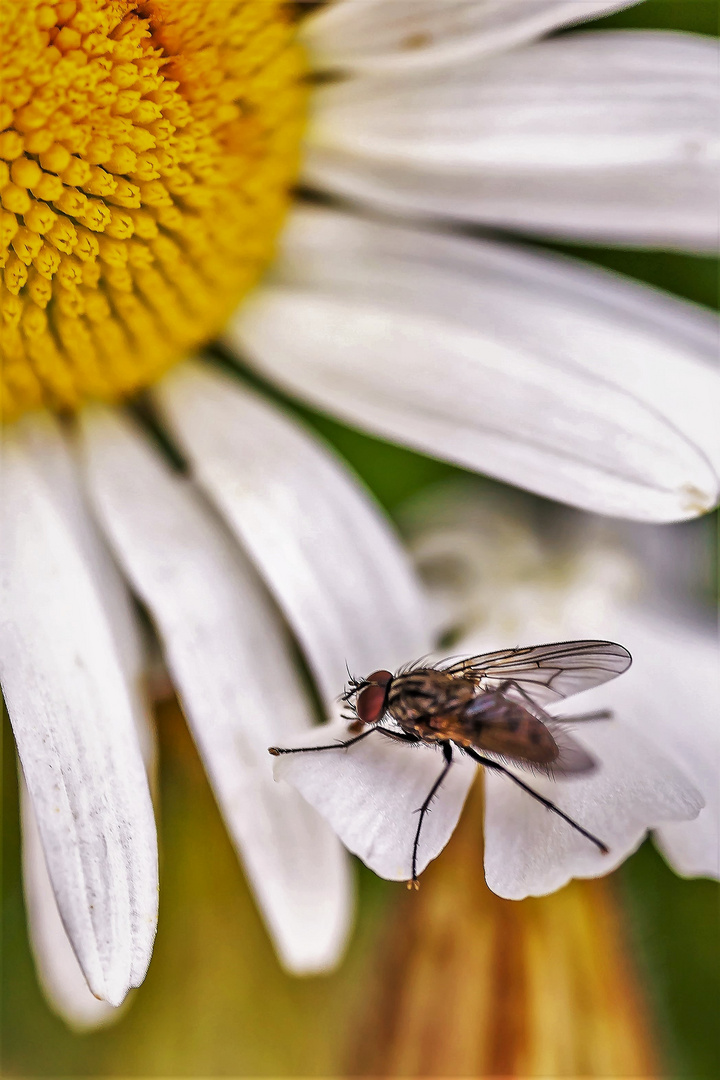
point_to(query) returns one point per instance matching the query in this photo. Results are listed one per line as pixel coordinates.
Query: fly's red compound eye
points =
(371, 699)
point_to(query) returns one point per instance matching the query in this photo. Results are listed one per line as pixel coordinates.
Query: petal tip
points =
(696, 502)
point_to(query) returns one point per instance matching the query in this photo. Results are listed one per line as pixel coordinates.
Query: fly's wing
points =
(544, 674)
(495, 725)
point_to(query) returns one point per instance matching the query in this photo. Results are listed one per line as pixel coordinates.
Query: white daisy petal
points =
(73, 721)
(530, 851)
(403, 36)
(609, 137)
(58, 970)
(692, 848)
(57, 966)
(233, 669)
(43, 441)
(571, 382)
(674, 696)
(669, 696)
(369, 793)
(336, 569)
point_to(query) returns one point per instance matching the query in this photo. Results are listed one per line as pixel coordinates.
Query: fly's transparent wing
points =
(544, 674)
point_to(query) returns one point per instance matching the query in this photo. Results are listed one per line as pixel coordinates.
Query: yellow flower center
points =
(147, 150)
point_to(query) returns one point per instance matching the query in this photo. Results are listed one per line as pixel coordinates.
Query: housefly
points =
(492, 704)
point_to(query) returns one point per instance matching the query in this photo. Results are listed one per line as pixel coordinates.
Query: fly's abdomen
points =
(502, 726)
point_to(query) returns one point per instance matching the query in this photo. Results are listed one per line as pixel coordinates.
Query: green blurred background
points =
(215, 1002)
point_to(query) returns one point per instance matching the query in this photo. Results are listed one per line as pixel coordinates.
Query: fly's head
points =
(368, 697)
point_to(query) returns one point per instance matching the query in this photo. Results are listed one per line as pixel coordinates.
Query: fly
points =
(495, 704)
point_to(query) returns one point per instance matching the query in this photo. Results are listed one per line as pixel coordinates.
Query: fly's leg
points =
(535, 709)
(397, 735)
(582, 718)
(489, 764)
(599, 714)
(447, 754)
(277, 750)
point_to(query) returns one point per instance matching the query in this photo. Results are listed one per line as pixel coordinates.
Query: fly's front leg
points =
(400, 736)
(277, 750)
(343, 745)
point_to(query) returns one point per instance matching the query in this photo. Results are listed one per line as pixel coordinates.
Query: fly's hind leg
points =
(598, 714)
(586, 717)
(447, 754)
(489, 764)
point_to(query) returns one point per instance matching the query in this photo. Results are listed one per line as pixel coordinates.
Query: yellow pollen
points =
(147, 150)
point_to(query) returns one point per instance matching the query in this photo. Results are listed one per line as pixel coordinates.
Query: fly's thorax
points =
(426, 692)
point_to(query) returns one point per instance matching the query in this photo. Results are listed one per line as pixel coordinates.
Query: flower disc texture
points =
(146, 151)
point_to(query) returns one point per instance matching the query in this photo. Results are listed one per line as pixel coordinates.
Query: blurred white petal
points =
(674, 697)
(71, 711)
(572, 382)
(58, 970)
(396, 37)
(609, 137)
(233, 669)
(369, 793)
(692, 848)
(530, 851)
(325, 550)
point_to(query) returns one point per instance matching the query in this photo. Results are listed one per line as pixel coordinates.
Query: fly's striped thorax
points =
(426, 692)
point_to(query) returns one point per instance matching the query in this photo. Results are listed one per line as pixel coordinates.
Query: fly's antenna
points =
(354, 686)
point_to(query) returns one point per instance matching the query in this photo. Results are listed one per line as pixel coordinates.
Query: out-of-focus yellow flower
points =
(468, 984)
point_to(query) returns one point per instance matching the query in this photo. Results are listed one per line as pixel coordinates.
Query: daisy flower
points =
(148, 151)
(493, 582)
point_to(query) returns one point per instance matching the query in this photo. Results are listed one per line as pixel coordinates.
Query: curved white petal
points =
(674, 698)
(530, 851)
(574, 383)
(693, 847)
(327, 554)
(399, 37)
(45, 444)
(59, 973)
(233, 669)
(58, 970)
(609, 137)
(669, 697)
(369, 793)
(70, 705)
